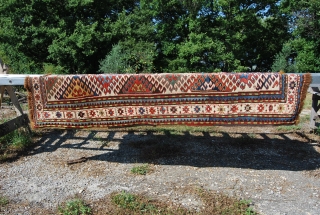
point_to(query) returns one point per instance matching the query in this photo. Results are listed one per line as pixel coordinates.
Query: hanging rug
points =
(115, 100)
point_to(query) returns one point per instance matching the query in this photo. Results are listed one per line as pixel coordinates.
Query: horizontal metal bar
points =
(14, 79)
(315, 80)
(18, 79)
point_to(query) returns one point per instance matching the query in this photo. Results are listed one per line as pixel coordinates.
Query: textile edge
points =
(306, 82)
(28, 87)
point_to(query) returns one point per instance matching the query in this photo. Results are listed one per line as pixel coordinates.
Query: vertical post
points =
(2, 71)
(314, 109)
(1, 93)
(14, 100)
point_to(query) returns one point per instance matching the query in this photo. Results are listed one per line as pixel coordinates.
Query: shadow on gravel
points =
(276, 151)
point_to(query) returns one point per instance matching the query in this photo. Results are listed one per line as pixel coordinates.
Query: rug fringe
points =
(304, 91)
(28, 87)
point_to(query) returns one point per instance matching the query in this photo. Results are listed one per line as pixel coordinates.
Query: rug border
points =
(307, 79)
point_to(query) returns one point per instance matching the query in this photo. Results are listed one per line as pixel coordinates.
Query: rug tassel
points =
(30, 106)
(304, 91)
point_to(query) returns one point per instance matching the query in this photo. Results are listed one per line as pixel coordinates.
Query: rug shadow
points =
(276, 151)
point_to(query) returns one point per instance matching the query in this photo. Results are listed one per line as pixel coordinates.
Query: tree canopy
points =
(93, 36)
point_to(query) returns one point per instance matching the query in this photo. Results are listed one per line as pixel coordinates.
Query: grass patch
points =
(183, 128)
(304, 118)
(75, 207)
(104, 142)
(128, 203)
(3, 201)
(141, 170)
(289, 128)
(219, 203)
(24, 106)
(213, 203)
(17, 139)
(172, 129)
(14, 142)
(307, 104)
(6, 100)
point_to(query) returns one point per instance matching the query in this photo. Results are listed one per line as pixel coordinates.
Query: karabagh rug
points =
(115, 100)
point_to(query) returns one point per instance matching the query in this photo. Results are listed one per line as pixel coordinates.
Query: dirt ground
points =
(277, 168)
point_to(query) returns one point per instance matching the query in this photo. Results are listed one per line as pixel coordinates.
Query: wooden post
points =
(1, 93)
(14, 100)
(315, 106)
(14, 124)
(3, 70)
(314, 109)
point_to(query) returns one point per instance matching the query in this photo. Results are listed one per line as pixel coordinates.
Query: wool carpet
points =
(115, 100)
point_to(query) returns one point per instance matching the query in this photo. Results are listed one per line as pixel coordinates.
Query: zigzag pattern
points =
(83, 101)
(112, 85)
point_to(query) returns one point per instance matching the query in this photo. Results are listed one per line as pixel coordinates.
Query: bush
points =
(114, 61)
(52, 69)
(129, 57)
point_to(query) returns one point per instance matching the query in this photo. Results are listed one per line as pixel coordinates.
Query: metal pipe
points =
(18, 79)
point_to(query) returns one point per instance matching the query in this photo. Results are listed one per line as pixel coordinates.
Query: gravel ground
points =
(278, 171)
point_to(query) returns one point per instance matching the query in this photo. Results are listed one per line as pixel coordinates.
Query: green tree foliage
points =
(114, 62)
(304, 25)
(224, 35)
(139, 56)
(135, 31)
(284, 60)
(89, 36)
(73, 34)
